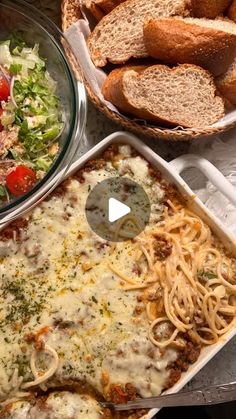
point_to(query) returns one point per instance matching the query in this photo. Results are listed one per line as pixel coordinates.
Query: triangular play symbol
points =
(117, 210)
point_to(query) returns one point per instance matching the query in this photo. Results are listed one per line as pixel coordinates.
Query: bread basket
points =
(71, 13)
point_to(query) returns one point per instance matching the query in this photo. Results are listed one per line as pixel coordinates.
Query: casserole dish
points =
(172, 172)
(169, 172)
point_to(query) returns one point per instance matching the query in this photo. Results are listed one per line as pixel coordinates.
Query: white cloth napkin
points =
(222, 153)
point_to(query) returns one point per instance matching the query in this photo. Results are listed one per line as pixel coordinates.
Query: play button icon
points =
(117, 209)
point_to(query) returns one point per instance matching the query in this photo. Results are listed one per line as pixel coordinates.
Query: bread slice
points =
(209, 8)
(226, 84)
(99, 8)
(232, 11)
(208, 43)
(183, 96)
(119, 35)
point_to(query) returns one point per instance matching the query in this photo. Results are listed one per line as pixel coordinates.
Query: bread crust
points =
(114, 91)
(209, 8)
(95, 10)
(232, 11)
(226, 84)
(176, 42)
(99, 8)
(108, 5)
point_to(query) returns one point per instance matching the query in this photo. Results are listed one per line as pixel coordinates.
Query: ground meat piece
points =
(60, 189)
(174, 377)
(130, 391)
(119, 394)
(89, 166)
(138, 414)
(153, 294)
(192, 352)
(111, 152)
(41, 404)
(133, 414)
(172, 194)
(181, 363)
(139, 309)
(95, 164)
(137, 269)
(188, 355)
(198, 320)
(107, 414)
(154, 173)
(80, 176)
(29, 337)
(162, 248)
(14, 230)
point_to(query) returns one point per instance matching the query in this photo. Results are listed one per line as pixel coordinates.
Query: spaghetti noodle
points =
(196, 280)
(40, 379)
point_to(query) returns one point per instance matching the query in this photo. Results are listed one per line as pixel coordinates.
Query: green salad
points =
(30, 119)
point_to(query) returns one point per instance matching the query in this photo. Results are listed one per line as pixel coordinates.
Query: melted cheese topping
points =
(58, 405)
(58, 278)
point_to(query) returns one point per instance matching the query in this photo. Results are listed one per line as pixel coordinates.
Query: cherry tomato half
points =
(20, 180)
(4, 88)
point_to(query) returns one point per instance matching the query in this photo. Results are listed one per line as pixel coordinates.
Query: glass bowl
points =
(18, 18)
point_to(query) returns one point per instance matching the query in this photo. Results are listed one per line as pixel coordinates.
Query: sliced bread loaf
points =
(232, 11)
(119, 35)
(226, 84)
(183, 96)
(208, 43)
(209, 8)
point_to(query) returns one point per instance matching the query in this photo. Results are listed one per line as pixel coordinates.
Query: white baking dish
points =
(171, 172)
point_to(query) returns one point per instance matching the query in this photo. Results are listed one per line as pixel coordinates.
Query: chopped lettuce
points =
(5, 54)
(2, 191)
(26, 58)
(35, 108)
(44, 163)
(15, 69)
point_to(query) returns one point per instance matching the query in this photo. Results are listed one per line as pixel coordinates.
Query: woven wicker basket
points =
(71, 13)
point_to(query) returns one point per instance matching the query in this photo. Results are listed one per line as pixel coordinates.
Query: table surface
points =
(222, 369)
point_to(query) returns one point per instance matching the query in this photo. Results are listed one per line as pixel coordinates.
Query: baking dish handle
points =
(209, 170)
